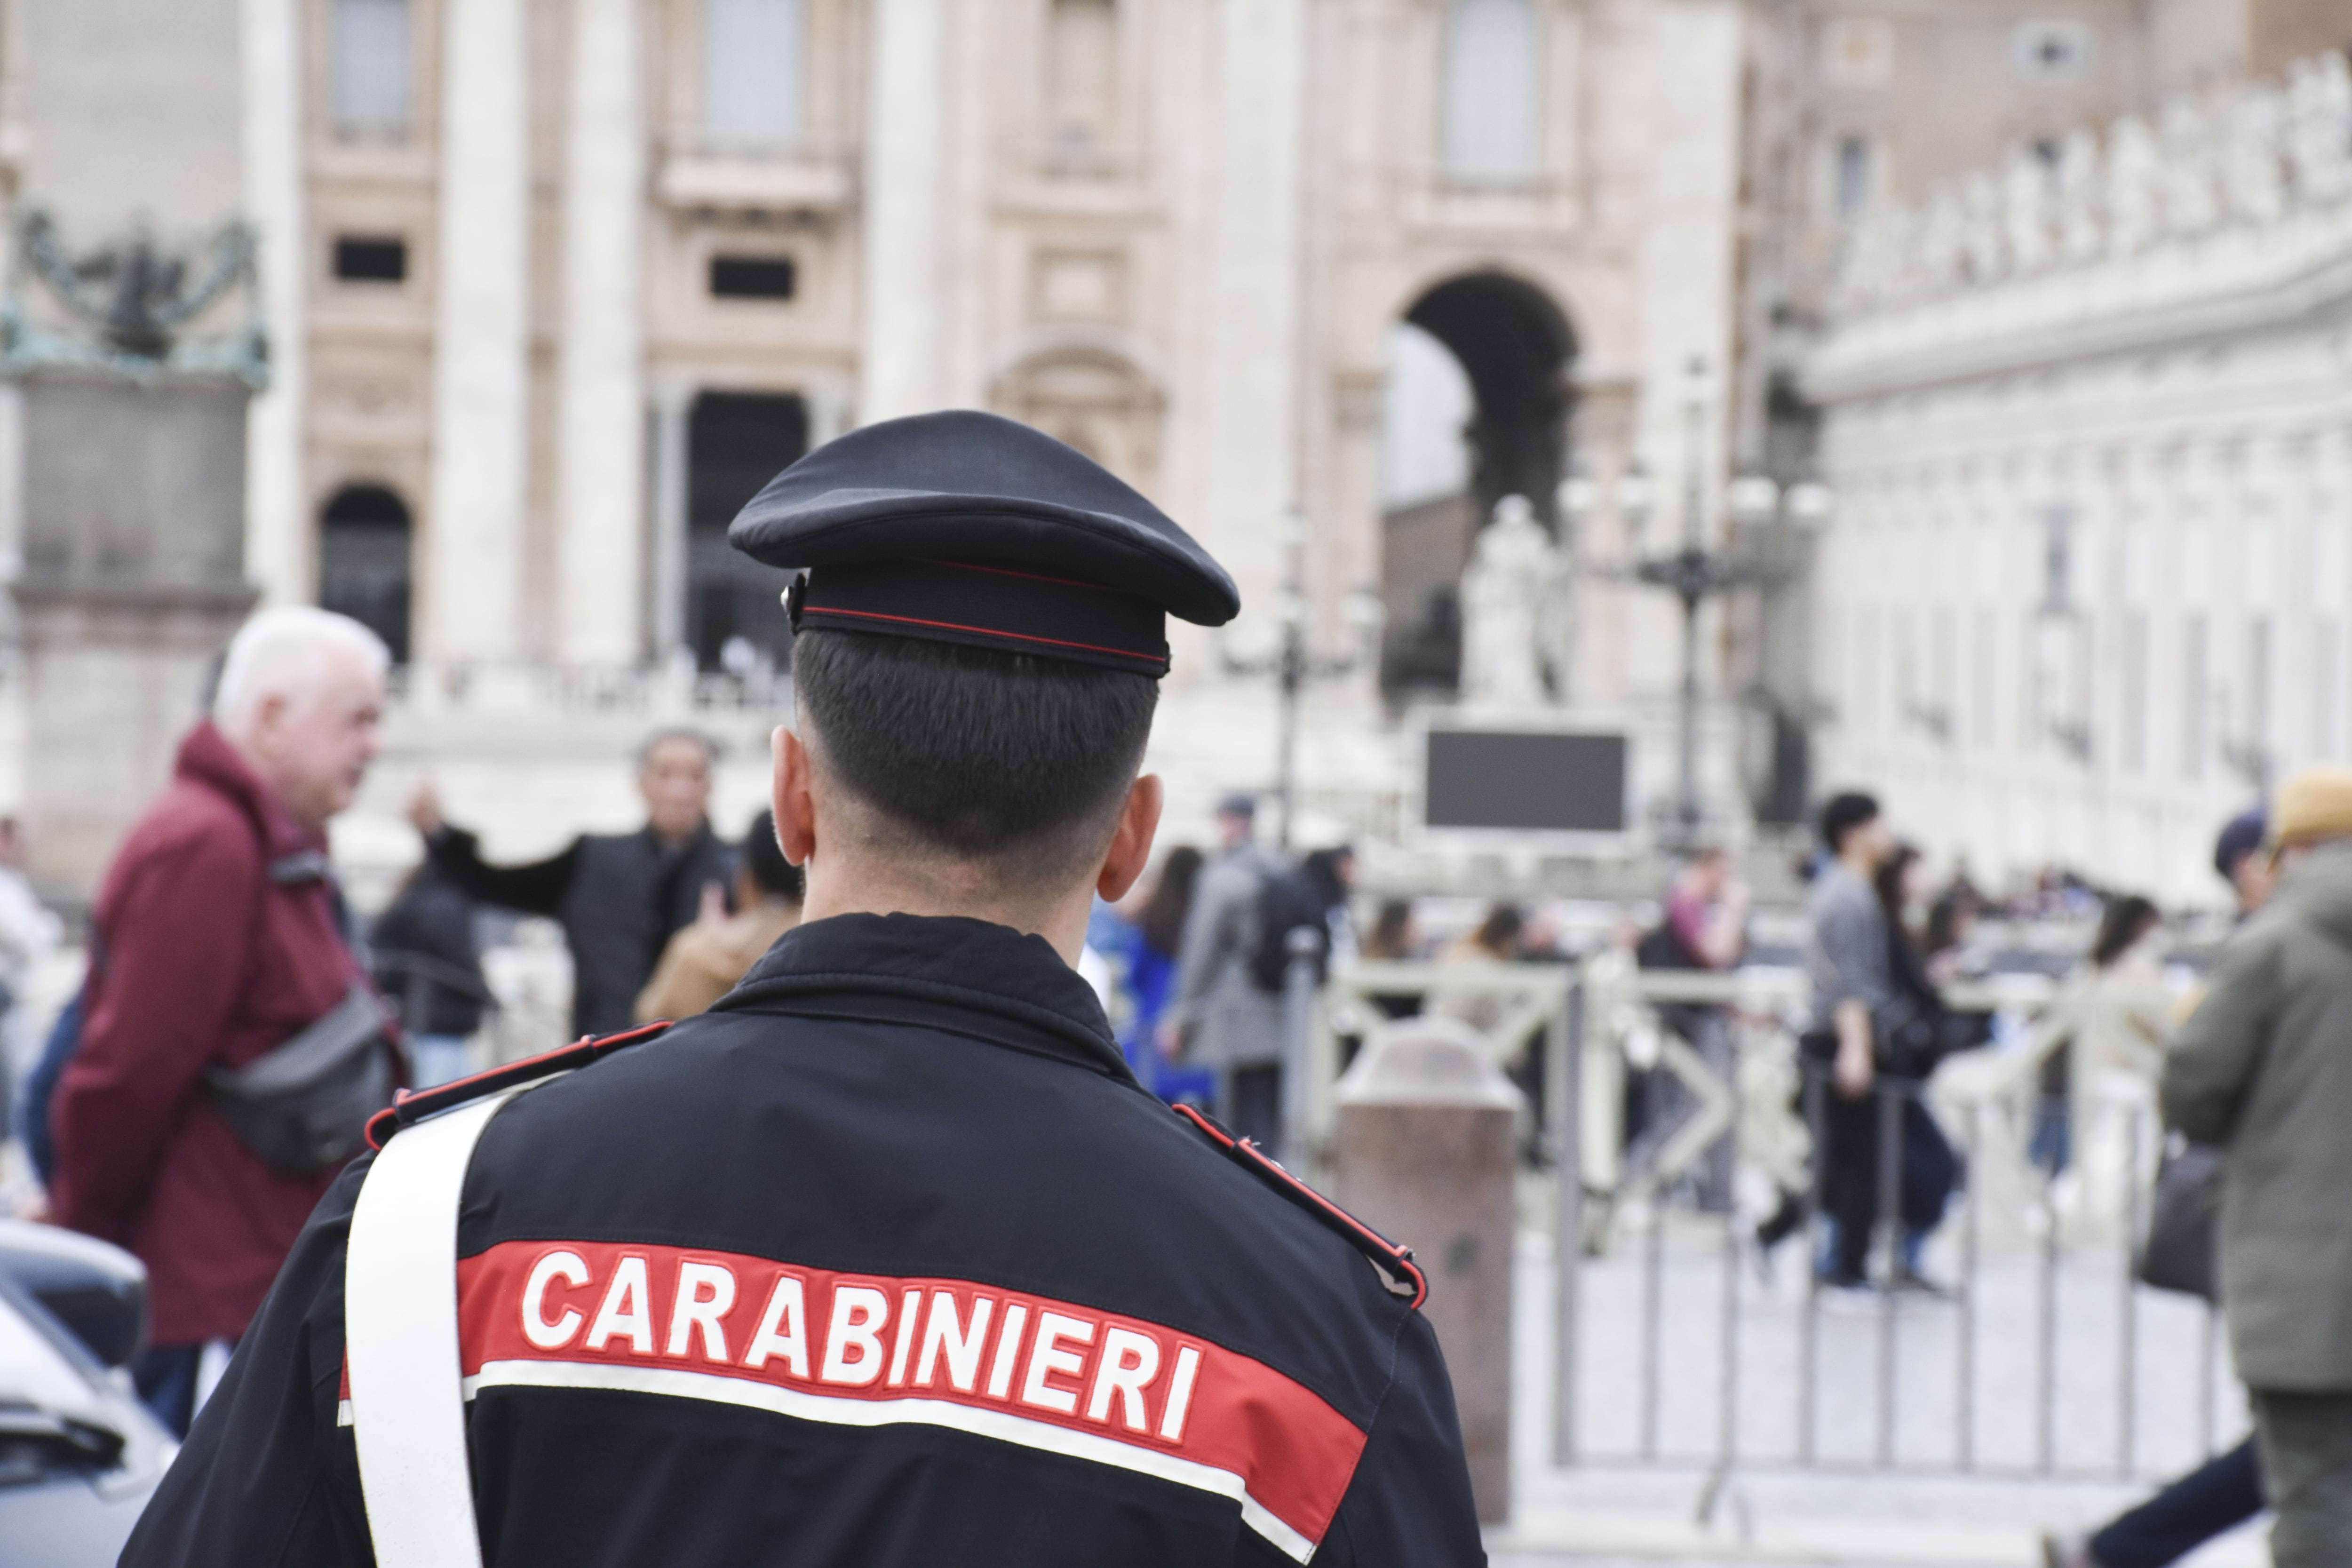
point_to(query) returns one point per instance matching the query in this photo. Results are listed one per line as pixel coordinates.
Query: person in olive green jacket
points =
(2264, 1068)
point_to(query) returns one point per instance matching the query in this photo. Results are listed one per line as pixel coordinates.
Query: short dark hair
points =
(975, 752)
(764, 858)
(1842, 814)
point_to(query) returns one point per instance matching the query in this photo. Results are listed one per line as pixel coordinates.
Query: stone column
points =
(1425, 1154)
(473, 536)
(1249, 398)
(277, 536)
(905, 324)
(665, 543)
(600, 451)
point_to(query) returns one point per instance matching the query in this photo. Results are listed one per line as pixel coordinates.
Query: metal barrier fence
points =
(1678, 1340)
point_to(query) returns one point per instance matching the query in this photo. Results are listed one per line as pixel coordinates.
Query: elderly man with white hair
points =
(218, 940)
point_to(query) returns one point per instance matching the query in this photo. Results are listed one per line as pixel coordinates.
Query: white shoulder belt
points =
(400, 1340)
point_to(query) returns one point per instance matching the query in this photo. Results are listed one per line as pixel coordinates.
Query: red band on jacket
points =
(867, 1350)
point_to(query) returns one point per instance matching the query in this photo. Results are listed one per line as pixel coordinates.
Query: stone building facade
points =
(2089, 415)
(575, 276)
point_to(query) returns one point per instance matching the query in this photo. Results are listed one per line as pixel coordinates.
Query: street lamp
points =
(1693, 574)
(1293, 665)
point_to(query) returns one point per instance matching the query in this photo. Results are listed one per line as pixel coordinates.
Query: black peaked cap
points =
(966, 527)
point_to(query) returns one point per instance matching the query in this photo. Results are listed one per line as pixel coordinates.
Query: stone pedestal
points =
(132, 583)
(1425, 1153)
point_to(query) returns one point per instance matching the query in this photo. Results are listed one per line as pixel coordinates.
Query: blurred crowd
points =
(237, 1022)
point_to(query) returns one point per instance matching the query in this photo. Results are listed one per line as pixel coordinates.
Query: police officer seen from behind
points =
(619, 896)
(886, 1259)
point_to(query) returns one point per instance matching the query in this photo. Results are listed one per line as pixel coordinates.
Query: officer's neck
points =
(853, 884)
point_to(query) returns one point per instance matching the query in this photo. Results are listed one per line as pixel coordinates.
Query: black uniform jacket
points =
(887, 1260)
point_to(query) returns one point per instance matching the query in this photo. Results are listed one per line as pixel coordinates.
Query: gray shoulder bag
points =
(305, 1106)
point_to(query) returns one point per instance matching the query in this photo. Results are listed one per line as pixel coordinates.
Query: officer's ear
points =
(1130, 845)
(795, 812)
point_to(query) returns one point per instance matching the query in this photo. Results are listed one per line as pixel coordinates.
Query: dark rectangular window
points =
(369, 259)
(1523, 779)
(752, 277)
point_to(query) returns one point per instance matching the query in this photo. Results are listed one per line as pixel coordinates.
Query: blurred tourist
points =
(1329, 875)
(1913, 1033)
(1847, 959)
(703, 962)
(1951, 926)
(2264, 1068)
(28, 933)
(221, 937)
(620, 895)
(2111, 1024)
(1224, 1020)
(2226, 1490)
(1152, 934)
(1393, 939)
(1705, 922)
(426, 959)
(1494, 943)
(2237, 856)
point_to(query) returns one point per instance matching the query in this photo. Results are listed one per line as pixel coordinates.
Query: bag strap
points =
(400, 1329)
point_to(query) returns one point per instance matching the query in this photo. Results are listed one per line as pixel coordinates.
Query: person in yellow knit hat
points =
(2263, 1070)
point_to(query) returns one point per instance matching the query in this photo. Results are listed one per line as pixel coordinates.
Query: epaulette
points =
(1394, 1261)
(411, 1106)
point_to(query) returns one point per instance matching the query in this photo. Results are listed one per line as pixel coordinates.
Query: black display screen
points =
(1535, 781)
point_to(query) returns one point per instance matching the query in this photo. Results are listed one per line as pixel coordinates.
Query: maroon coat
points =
(198, 959)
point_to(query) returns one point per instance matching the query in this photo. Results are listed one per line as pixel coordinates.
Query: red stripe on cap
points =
(985, 631)
(1008, 572)
(1175, 1403)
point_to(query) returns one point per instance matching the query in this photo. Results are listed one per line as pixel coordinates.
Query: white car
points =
(78, 1454)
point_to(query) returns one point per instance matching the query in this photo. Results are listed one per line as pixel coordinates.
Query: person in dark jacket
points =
(218, 938)
(621, 896)
(426, 959)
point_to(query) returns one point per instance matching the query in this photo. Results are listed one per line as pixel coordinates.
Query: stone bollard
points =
(1425, 1152)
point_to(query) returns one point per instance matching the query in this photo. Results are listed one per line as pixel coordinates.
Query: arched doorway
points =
(736, 442)
(366, 561)
(1477, 409)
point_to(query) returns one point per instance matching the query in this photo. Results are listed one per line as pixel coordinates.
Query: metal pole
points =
(1888, 1243)
(1305, 947)
(1294, 657)
(1967, 1357)
(1565, 1039)
(1291, 670)
(1686, 742)
(1816, 1095)
(1691, 572)
(2127, 1346)
(2045, 1391)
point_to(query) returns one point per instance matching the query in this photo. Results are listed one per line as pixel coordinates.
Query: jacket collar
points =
(968, 966)
(206, 757)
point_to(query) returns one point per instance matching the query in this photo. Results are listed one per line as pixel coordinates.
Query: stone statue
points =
(2134, 174)
(2082, 207)
(2191, 204)
(2252, 174)
(1984, 250)
(134, 300)
(2025, 210)
(2319, 129)
(1512, 574)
